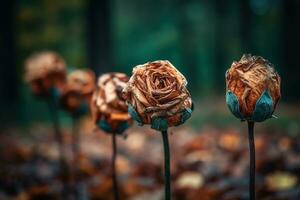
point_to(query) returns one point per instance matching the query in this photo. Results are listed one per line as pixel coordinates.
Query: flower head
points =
(44, 72)
(78, 91)
(157, 95)
(108, 107)
(253, 88)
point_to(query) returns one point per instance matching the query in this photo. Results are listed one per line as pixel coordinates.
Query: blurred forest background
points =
(200, 37)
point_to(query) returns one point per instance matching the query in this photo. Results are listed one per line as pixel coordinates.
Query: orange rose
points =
(109, 110)
(253, 88)
(157, 95)
(45, 71)
(78, 91)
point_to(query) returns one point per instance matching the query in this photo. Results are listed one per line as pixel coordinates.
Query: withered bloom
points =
(45, 72)
(157, 95)
(253, 88)
(78, 91)
(108, 107)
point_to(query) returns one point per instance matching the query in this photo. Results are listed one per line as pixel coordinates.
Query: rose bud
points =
(252, 88)
(108, 107)
(78, 91)
(157, 95)
(45, 72)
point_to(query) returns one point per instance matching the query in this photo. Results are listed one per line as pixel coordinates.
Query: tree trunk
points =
(8, 70)
(99, 40)
(291, 42)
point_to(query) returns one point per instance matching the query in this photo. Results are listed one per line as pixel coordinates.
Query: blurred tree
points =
(188, 42)
(246, 25)
(99, 36)
(8, 72)
(48, 25)
(291, 44)
(221, 11)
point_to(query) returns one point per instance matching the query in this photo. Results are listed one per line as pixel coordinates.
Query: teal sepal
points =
(263, 108)
(134, 115)
(102, 124)
(54, 95)
(122, 127)
(233, 104)
(185, 115)
(82, 110)
(160, 124)
(193, 107)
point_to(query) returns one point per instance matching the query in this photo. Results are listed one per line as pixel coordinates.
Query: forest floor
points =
(209, 159)
(211, 163)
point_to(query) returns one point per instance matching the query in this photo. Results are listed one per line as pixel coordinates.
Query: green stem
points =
(167, 165)
(76, 154)
(53, 109)
(58, 134)
(114, 171)
(76, 138)
(252, 160)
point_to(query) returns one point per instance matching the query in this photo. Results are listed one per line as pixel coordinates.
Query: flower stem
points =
(58, 134)
(167, 165)
(76, 138)
(114, 171)
(53, 109)
(76, 154)
(252, 160)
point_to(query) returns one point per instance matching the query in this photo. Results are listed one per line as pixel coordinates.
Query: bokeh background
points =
(200, 37)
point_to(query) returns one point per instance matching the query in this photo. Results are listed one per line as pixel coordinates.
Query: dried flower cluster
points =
(78, 90)
(253, 88)
(108, 107)
(45, 71)
(157, 95)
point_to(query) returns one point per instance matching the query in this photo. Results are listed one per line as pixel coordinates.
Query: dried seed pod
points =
(108, 107)
(45, 72)
(78, 91)
(252, 88)
(156, 94)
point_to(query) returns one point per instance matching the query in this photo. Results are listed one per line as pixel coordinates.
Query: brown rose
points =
(108, 107)
(157, 95)
(78, 91)
(253, 88)
(45, 71)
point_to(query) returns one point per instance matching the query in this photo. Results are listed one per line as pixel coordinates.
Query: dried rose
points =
(253, 88)
(78, 91)
(157, 95)
(108, 107)
(45, 72)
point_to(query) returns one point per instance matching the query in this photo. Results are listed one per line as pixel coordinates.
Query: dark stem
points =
(167, 165)
(252, 160)
(114, 171)
(76, 139)
(76, 154)
(58, 134)
(53, 109)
